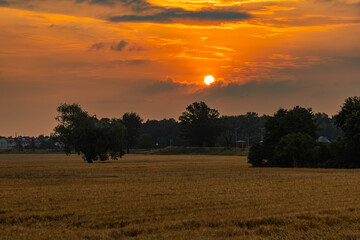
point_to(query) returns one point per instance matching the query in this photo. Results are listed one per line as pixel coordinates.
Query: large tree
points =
(94, 139)
(132, 122)
(200, 124)
(299, 123)
(348, 119)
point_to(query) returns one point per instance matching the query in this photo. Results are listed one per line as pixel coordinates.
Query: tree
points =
(132, 122)
(200, 124)
(32, 145)
(348, 119)
(247, 127)
(294, 150)
(163, 132)
(326, 126)
(94, 139)
(256, 155)
(298, 122)
(229, 125)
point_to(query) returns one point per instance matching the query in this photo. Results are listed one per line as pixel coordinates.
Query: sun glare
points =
(209, 80)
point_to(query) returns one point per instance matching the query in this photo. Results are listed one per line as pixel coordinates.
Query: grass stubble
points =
(53, 196)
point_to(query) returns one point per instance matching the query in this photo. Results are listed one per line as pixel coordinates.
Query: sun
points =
(209, 79)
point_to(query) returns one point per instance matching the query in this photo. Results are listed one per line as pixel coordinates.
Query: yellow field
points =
(173, 197)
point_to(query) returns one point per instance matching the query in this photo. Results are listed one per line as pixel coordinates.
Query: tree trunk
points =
(88, 159)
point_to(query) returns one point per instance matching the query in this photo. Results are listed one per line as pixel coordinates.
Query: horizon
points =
(151, 57)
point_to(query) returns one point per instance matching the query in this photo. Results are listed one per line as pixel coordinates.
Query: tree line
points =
(198, 125)
(290, 139)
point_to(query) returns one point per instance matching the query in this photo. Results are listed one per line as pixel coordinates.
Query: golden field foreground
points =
(53, 196)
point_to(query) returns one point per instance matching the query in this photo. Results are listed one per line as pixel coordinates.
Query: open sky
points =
(151, 56)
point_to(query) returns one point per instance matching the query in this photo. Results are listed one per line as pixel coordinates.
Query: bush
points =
(256, 155)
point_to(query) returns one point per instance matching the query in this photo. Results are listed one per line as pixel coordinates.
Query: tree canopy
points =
(326, 126)
(348, 119)
(94, 139)
(132, 122)
(283, 134)
(160, 133)
(200, 124)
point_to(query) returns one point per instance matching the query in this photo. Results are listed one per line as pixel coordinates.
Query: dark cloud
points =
(164, 86)
(143, 11)
(170, 15)
(135, 5)
(97, 46)
(118, 46)
(237, 90)
(4, 3)
(147, 12)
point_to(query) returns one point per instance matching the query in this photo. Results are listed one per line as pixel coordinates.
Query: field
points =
(53, 196)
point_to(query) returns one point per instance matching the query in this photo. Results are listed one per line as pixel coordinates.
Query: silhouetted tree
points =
(85, 134)
(200, 124)
(32, 145)
(229, 126)
(299, 122)
(348, 119)
(132, 122)
(326, 126)
(145, 141)
(164, 132)
(294, 150)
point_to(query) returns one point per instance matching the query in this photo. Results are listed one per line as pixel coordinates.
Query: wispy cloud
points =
(175, 15)
(118, 46)
(165, 86)
(4, 3)
(97, 46)
(114, 46)
(239, 90)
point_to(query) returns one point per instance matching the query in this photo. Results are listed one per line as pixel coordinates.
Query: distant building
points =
(241, 144)
(322, 140)
(59, 145)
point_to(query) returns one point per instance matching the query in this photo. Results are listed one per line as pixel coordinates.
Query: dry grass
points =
(173, 197)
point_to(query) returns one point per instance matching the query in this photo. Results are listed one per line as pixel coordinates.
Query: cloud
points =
(238, 90)
(306, 21)
(164, 86)
(97, 46)
(135, 5)
(171, 15)
(101, 2)
(115, 46)
(4, 3)
(118, 46)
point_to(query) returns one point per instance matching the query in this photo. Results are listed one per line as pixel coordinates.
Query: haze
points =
(150, 57)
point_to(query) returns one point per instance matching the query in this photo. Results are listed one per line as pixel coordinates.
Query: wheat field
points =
(54, 196)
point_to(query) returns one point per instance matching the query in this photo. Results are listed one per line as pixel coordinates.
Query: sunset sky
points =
(151, 57)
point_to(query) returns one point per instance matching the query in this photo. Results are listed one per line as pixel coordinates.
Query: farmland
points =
(53, 196)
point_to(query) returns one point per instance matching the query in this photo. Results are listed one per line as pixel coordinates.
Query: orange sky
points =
(114, 56)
